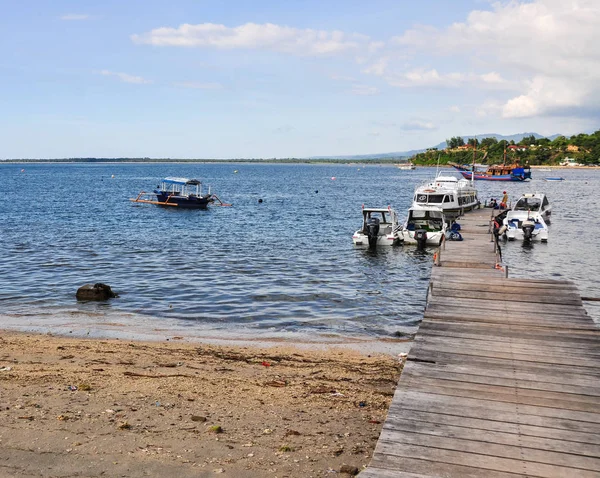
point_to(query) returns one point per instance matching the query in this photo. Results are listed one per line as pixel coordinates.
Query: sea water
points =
(282, 266)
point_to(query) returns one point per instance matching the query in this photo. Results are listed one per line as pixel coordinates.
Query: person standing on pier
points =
(504, 203)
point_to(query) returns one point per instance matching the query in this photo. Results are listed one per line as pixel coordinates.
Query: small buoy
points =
(112, 176)
(259, 200)
(22, 170)
(235, 171)
(316, 191)
(333, 178)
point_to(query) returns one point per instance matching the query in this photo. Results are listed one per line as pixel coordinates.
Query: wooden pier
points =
(502, 379)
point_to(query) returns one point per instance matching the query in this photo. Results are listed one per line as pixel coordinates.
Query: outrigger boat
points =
(180, 192)
(453, 195)
(498, 172)
(380, 228)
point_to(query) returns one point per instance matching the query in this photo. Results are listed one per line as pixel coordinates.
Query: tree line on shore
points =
(583, 148)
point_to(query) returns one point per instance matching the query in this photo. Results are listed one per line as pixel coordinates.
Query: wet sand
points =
(93, 407)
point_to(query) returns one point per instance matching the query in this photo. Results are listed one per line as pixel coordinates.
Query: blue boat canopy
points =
(181, 181)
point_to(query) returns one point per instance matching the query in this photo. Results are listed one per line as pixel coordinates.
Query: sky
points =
(294, 78)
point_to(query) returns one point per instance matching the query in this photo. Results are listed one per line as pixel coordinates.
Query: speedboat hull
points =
(380, 228)
(433, 238)
(361, 239)
(530, 228)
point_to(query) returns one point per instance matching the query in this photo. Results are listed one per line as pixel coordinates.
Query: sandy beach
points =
(92, 407)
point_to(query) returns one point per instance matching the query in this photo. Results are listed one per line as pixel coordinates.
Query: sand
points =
(91, 407)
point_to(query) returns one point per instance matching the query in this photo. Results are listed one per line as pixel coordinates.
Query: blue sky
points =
(240, 79)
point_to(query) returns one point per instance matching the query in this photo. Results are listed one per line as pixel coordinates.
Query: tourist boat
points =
(180, 192)
(425, 225)
(406, 166)
(451, 193)
(536, 203)
(380, 228)
(526, 226)
(499, 172)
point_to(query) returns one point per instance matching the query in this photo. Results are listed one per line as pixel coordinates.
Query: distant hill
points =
(408, 154)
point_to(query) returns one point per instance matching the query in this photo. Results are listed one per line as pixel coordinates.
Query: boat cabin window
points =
(528, 204)
(545, 201)
(429, 198)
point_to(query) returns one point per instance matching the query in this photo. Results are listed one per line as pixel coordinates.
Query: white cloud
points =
(418, 125)
(342, 78)
(377, 68)
(546, 49)
(75, 17)
(455, 109)
(421, 77)
(126, 77)
(267, 36)
(364, 90)
(198, 85)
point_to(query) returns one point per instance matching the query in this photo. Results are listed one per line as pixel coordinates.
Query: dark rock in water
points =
(95, 292)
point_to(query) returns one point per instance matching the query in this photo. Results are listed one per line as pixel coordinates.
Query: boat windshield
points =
(528, 204)
(384, 217)
(419, 214)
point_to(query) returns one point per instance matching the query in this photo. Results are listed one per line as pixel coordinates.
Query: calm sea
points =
(283, 267)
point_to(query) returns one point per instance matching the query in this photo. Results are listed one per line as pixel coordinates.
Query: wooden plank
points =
(373, 472)
(543, 381)
(472, 441)
(484, 462)
(567, 401)
(548, 351)
(568, 339)
(469, 302)
(499, 296)
(399, 465)
(434, 356)
(467, 281)
(567, 439)
(474, 407)
(551, 345)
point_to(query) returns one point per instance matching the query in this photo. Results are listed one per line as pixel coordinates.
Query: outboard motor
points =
(528, 228)
(372, 230)
(421, 238)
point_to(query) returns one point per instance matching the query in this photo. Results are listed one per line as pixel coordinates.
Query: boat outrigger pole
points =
(473, 166)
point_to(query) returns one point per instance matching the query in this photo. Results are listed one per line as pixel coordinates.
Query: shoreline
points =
(114, 407)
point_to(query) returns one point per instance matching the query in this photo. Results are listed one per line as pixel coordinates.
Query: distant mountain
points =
(408, 154)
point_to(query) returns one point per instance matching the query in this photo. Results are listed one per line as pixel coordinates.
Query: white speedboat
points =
(425, 225)
(406, 166)
(380, 228)
(534, 203)
(449, 192)
(525, 226)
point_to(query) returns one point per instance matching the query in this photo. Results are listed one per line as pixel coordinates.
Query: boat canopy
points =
(181, 181)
